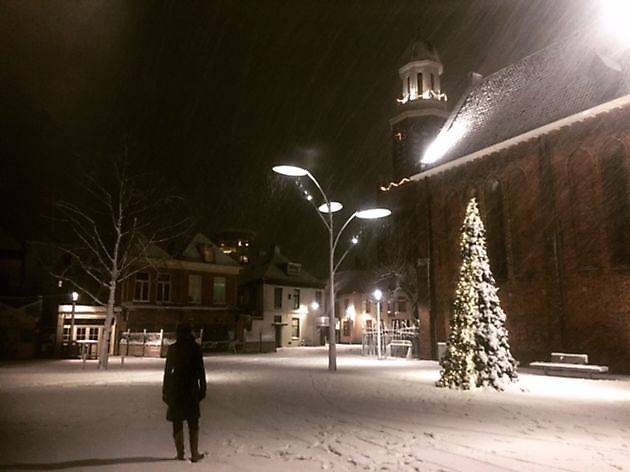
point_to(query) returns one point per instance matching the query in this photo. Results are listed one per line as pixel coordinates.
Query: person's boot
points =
(195, 456)
(179, 445)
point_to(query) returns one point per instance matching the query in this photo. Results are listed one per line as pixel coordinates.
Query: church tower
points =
(421, 107)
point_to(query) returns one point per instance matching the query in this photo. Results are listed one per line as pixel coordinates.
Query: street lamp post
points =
(75, 297)
(378, 295)
(328, 208)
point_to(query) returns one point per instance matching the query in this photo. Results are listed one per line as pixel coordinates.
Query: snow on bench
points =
(569, 363)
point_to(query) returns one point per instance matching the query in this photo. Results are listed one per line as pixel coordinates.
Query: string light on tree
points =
(478, 352)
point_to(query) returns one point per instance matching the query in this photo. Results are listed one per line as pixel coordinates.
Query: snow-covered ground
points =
(286, 412)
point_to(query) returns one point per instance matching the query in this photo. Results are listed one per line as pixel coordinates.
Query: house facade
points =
(544, 146)
(198, 285)
(285, 303)
(358, 310)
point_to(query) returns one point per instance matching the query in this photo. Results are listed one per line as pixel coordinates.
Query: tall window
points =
(163, 288)
(141, 287)
(218, 290)
(194, 289)
(617, 200)
(296, 298)
(453, 220)
(81, 334)
(420, 86)
(295, 328)
(318, 298)
(582, 174)
(277, 298)
(495, 229)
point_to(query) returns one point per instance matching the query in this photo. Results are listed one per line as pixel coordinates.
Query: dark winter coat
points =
(184, 384)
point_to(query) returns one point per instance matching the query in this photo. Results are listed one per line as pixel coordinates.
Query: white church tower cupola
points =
(421, 110)
(420, 73)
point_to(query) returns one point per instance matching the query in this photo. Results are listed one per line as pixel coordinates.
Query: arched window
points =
(614, 166)
(523, 209)
(581, 172)
(454, 220)
(495, 229)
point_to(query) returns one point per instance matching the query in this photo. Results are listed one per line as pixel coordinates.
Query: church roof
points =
(419, 50)
(561, 80)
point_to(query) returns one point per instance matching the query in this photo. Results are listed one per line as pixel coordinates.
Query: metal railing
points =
(396, 342)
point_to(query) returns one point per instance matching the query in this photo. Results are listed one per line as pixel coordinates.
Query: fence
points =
(149, 344)
(395, 342)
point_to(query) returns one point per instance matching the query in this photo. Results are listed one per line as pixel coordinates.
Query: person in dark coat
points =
(183, 387)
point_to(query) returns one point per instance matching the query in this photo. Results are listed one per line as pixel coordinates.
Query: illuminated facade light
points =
(614, 18)
(444, 142)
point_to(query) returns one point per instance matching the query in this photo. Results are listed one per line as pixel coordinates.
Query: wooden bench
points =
(569, 365)
(402, 344)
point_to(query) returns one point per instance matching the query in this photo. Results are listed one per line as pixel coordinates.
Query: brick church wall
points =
(547, 211)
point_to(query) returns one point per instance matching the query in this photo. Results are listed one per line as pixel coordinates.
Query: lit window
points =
(277, 297)
(194, 289)
(163, 288)
(218, 290)
(141, 288)
(296, 298)
(318, 298)
(295, 328)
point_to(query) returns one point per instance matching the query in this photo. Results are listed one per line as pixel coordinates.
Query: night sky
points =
(208, 95)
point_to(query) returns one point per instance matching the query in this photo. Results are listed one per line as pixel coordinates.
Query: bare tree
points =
(113, 224)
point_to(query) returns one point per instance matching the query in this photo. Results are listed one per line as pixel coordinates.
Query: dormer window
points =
(293, 268)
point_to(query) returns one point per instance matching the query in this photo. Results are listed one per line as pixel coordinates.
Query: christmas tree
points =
(478, 351)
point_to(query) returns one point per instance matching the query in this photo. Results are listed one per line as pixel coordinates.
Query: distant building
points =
(236, 244)
(285, 303)
(356, 306)
(544, 145)
(197, 284)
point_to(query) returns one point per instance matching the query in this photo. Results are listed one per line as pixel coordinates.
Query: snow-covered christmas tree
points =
(478, 352)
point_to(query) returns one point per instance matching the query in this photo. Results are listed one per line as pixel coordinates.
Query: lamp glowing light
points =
(334, 207)
(291, 171)
(373, 213)
(354, 240)
(614, 16)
